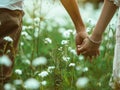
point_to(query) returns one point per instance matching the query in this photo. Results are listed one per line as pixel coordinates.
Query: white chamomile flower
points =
(50, 68)
(82, 82)
(9, 86)
(39, 61)
(48, 41)
(4, 60)
(32, 84)
(18, 71)
(64, 42)
(44, 83)
(43, 74)
(71, 64)
(18, 82)
(65, 58)
(8, 38)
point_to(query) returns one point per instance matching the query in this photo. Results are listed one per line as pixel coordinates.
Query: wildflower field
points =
(46, 58)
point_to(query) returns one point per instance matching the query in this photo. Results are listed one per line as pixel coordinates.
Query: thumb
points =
(82, 48)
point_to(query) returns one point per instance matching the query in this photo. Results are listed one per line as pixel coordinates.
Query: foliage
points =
(52, 39)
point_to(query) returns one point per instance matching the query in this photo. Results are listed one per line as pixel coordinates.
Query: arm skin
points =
(71, 7)
(107, 13)
(89, 49)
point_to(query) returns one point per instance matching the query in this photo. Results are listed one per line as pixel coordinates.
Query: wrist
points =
(93, 41)
(80, 29)
(96, 37)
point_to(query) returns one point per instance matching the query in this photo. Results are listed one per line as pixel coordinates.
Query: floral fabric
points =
(117, 2)
(115, 80)
(11, 4)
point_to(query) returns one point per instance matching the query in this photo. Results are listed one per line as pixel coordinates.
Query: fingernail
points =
(78, 46)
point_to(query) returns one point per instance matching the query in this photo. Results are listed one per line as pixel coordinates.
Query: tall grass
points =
(47, 54)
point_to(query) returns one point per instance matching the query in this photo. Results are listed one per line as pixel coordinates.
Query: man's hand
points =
(80, 36)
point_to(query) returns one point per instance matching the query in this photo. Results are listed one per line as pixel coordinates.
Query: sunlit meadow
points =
(47, 59)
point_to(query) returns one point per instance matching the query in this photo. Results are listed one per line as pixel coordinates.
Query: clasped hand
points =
(85, 47)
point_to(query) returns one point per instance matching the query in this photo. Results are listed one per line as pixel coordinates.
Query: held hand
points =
(89, 48)
(80, 36)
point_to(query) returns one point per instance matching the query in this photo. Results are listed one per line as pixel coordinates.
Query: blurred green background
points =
(49, 32)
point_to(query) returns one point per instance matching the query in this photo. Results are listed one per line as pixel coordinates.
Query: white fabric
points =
(11, 4)
(116, 62)
(117, 2)
(115, 80)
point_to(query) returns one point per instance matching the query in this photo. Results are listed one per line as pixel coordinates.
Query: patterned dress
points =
(115, 80)
(11, 4)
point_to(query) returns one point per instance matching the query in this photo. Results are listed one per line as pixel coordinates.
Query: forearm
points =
(106, 15)
(73, 10)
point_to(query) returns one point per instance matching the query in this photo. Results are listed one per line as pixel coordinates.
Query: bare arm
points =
(107, 13)
(73, 10)
(71, 7)
(90, 48)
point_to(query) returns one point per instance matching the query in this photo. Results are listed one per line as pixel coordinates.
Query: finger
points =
(78, 53)
(89, 56)
(77, 50)
(95, 54)
(81, 50)
(78, 46)
(78, 40)
(95, 57)
(82, 46)
(84, 52)
(80, 43)
(98, 52)
(85, 57)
